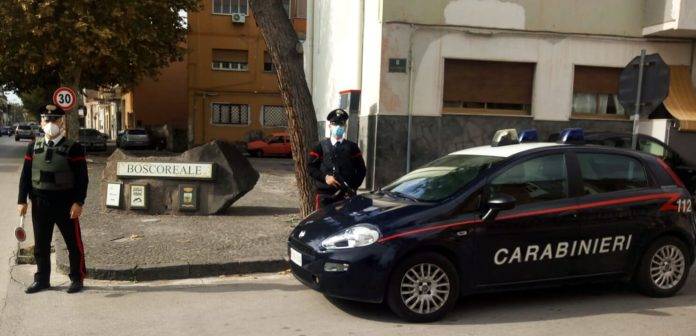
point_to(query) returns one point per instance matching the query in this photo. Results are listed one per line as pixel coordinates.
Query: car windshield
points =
(24, 127)
(137, 132)
(440, 178)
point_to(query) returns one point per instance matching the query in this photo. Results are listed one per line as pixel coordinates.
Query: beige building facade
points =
(441, 75)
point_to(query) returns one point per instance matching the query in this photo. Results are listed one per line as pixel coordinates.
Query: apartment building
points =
(441, 75)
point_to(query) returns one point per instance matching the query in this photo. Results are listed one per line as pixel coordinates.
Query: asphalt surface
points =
(276, 304)
(11, 158)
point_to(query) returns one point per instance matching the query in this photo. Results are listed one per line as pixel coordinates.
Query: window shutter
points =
(488, 81)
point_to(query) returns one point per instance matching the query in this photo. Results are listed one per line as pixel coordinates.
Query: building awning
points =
(681, 101)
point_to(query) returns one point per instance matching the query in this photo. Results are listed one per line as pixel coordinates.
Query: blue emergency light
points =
(572, 136)
(528, 135)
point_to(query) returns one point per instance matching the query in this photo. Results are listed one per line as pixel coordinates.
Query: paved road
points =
(277, 305)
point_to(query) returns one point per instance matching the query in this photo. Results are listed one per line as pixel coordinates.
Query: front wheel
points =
(423, 288)
(664, 268)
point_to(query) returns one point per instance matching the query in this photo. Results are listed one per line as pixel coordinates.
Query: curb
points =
(176, 271)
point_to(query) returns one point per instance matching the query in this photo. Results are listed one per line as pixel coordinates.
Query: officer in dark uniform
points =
(336, 163)
(54, 177)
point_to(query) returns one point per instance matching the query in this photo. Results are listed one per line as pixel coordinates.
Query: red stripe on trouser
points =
(317, 203)
(80, 247)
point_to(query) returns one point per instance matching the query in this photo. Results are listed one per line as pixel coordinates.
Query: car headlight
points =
(354, 236)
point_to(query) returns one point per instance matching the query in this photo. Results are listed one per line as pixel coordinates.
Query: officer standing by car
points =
(336, 163)
(54, 177)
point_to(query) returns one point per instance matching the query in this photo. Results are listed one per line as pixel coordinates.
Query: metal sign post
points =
(636, 111)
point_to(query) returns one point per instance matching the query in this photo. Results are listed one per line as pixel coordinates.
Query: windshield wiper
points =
(396, 194)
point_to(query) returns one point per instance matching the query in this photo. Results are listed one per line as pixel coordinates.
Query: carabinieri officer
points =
(336, 163)
(55, 178)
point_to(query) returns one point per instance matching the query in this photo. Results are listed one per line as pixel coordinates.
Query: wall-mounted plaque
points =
(113, 194)
(138, 196)
(189, 171)
(397, 65)
(188, 197)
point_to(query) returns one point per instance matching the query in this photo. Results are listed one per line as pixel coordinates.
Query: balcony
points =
(669, 18)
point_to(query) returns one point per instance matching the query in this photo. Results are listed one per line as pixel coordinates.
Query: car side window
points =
(275, 140)
(535, 180)
(651, 147)
(603, 173)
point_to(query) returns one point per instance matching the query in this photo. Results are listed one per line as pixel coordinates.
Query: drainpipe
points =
(414, 29)
(309, 45)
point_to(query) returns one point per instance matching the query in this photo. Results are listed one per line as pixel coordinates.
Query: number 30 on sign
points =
(65, 98)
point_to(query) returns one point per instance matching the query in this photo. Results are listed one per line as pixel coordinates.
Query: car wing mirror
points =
(496, 204)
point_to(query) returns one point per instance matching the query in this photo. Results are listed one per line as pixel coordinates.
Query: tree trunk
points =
(72, 119)
(284, 48)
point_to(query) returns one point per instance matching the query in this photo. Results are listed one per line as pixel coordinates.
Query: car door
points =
(529, 242)
(617, 202)
(275, 146)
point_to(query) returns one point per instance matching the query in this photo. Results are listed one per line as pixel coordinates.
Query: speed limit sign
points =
(65, 98)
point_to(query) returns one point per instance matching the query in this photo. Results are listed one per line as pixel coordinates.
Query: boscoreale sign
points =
(191, 171)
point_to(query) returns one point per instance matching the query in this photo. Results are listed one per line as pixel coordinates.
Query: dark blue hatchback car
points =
(502, 217)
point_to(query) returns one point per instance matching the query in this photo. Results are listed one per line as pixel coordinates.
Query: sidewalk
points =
(250, 237)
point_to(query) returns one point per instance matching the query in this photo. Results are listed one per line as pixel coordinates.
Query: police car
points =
(506, 216)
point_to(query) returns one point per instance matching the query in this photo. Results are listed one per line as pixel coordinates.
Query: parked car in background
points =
(24, 132)
(278, 144)
(92, 139)
(6, 130)
(650, 145)
(38, 131)
(134, 138)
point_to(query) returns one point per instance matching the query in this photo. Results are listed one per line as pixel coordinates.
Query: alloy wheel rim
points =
(425, 288)
(667, 267)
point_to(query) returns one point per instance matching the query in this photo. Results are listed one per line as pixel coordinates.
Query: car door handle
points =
(572, 213)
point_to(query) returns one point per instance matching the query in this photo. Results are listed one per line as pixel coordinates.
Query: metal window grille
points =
(274, 116)
(231, 7)
(230, 114)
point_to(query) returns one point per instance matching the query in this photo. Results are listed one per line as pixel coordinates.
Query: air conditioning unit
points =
(238, 18)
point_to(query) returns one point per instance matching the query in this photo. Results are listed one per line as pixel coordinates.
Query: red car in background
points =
(278, 144)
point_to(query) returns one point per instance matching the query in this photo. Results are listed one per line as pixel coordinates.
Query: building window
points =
(274, 116)
(230, 114)
(229, 7)
(230, 60)
(267, 62)
(595, 92)
(487, 87)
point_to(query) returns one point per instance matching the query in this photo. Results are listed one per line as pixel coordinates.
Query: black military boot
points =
(36, 287)
(75, 286)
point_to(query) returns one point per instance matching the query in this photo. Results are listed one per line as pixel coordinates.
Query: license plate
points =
(296, 257)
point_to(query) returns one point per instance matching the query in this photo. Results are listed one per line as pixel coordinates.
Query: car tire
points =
(665, 256)
(256, 153)
(427, 267)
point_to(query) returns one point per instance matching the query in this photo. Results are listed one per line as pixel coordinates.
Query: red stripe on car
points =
(668, 206)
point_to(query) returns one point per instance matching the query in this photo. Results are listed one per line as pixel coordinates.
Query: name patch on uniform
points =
(192, 171)
(560, 250)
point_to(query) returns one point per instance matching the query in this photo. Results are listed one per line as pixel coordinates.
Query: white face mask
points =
(52, 130)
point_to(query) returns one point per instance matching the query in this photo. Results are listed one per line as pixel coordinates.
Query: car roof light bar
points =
(528, 135)
(572, 136)
(504, 137)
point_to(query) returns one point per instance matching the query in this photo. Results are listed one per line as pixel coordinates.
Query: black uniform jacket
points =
(78, 165)
(345, 157)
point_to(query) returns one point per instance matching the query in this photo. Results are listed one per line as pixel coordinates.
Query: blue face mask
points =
(338, 131)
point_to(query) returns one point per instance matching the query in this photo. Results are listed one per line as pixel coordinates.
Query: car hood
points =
(380, 210)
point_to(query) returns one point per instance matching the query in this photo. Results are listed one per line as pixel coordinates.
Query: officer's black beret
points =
(338, 116)
(52, 111)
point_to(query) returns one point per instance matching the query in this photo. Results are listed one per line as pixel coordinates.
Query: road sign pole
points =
(636, 111)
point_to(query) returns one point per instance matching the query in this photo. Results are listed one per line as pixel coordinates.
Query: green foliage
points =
(35, 100)
(95, 43)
